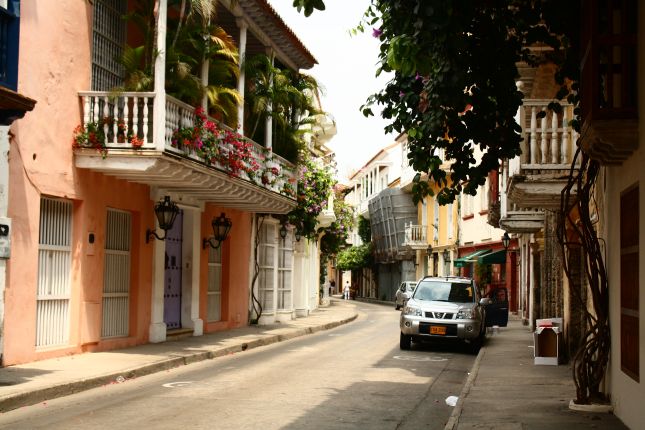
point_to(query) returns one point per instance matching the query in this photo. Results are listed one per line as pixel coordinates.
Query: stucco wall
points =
(627, 394)
(54, 66)
(236, 254)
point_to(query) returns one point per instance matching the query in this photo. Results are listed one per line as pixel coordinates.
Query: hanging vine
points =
(256, 305)
(577, 232)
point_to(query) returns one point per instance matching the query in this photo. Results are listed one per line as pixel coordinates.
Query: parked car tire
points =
(397, 306)
(405, 341)
(476, 344)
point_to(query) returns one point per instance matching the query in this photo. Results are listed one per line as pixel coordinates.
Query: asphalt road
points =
(351, 377)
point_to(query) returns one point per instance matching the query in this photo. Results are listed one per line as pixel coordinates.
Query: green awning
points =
(497, 257)
(470, 258)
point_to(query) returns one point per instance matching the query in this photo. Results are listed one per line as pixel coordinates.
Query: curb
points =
(29, 398)
(453, 421)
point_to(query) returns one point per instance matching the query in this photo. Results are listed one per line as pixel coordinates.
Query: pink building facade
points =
(84, 274)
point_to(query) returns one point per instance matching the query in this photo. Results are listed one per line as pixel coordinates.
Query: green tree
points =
(364, 229)
(315, 183)
(283, 95)
(355, 257)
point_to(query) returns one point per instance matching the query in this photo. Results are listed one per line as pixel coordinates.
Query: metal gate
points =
(214, 293)
(266, 278)
(172, 275)
(116, 277)
(54, 263)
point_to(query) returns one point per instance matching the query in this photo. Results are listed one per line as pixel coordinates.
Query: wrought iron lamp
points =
(166, 212)
(446, 255)
(283, 232)
(506, 240)
(221, 227)
(298, 235)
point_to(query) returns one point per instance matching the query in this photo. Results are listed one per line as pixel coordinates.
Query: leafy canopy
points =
(355, 257)
(454, 67)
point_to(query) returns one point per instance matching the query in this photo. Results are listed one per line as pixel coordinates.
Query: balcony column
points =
(268, 132)
(240, 80)
(377, 180)
(205, 67)
(159, 118)
(157, 331)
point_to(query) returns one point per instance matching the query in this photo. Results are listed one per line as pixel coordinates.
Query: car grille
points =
(451, 329)
(439, 315)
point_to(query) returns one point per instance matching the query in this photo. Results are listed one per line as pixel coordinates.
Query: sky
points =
(346, 70)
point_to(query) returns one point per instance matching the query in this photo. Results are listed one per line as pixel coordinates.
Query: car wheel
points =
(397, 306)
(405, 341)
(476, 344)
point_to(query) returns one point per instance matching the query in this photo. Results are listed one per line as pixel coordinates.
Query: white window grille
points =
(266, 282)
(108, 41)
(484, 196)
(285, 267)
(214, 292)
(54, 264)
(116, 275)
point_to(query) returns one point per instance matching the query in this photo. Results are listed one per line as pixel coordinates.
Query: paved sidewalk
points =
(28, 384)
(506, 391)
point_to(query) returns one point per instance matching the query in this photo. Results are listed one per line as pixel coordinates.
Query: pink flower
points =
(376, 32)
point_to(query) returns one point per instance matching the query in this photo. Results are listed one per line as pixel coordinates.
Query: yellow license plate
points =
(437, 330)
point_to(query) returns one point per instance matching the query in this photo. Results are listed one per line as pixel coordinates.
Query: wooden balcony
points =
(536, 178)
(258, 182)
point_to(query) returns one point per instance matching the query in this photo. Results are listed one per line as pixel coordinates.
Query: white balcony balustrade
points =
(416, 236)
(126, 125)
(126, 120)
(548, 142)
(537, 176)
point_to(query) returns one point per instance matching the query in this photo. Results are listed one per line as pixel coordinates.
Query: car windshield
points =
(445, 291)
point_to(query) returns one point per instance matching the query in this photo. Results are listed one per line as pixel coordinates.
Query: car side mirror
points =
(485, 301)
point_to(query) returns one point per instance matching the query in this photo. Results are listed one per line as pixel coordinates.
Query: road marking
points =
(177, 384)
(419, 358)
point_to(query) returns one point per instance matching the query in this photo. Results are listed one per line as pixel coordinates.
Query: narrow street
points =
(350, 377)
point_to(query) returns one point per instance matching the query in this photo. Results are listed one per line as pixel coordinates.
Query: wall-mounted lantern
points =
(221, 227)
(166, 212)
(506, 240)
(283, 232)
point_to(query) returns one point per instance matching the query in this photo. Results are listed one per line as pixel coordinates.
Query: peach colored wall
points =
(235, 269)
(54, 66)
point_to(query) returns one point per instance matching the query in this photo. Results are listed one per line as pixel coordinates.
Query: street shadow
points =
(10, 376)
(403, 390)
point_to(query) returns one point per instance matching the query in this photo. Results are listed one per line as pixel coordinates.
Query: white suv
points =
(444, 308)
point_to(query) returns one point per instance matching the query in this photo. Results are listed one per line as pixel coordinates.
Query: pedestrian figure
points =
(346, 291)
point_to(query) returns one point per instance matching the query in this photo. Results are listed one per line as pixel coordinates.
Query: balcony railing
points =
(549, 140)
(130, 114)
(416, 236)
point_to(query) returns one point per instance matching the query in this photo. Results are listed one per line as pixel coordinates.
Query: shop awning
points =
(497, 257)
(470, 258)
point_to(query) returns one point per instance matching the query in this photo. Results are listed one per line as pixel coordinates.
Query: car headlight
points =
(411, 310)
(465, 314)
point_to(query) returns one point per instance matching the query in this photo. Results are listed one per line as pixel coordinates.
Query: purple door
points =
(172, 275)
